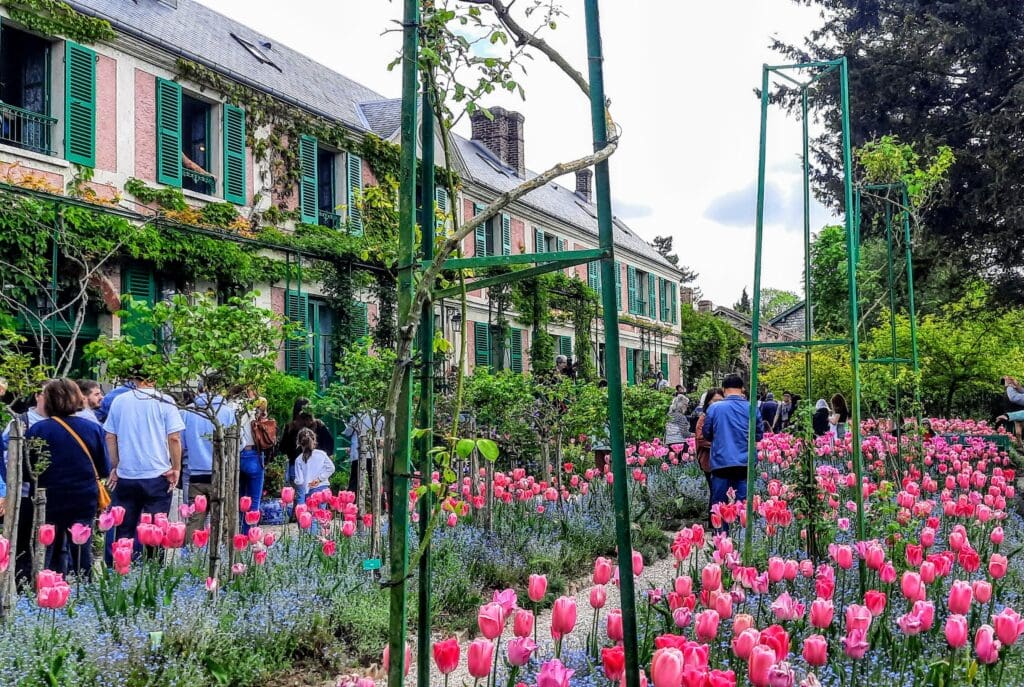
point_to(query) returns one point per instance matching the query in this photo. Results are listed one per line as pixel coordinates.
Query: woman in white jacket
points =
(313, 467)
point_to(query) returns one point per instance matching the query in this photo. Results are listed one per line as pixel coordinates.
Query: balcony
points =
(199, 182)
(331, 220)
(24, 129)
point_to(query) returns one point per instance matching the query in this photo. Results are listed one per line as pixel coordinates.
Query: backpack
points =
(264, 434)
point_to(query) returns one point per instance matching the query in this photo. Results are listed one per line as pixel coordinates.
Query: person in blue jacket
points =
(726, 425)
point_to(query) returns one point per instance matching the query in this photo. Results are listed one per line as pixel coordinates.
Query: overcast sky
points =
(681, 77)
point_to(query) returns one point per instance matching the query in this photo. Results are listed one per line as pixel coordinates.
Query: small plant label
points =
(371, 564)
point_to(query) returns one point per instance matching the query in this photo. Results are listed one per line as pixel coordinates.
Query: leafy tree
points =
(830, 372)
(663, 244)
(934, 74)
(774, 302)
(743, 304)
(644, 412)
(706, 344)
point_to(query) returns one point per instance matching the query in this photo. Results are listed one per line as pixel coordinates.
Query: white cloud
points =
(681, 77)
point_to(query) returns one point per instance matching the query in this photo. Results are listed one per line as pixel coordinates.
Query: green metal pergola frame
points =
(542, 263)
(823, 70)
(852, 205)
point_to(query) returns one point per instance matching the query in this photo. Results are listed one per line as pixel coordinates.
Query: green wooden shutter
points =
(308, 180)
(296, 356)
(630, 368)
(481, 344)
(506, 234)
(634, 298)
(652, 297)
(234, 154)
(441, 198)
(664, 365)
(662, 300)
(618, 285)
(360, 322)
(594, 276)
(538, 240)
(674, 291)
(516, 349)
(481, 234)
(565, 345)
(168, 132)
(355, 194)
(139, 283)
(79, 104)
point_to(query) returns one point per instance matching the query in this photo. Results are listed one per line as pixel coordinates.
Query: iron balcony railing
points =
(28, 130)
(331, 220)
(199, 182)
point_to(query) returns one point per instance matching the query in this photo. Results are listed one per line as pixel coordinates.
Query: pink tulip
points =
(844, 556)
(174, 537)
(386, 660)
(781, 675)
(997, 566)
(638, 563)
(5, 554)
(985, 645)
(667, 667)
(80, 534)
(857, 617)
(522, 623)
(707, 625)
(491, 620)
(960, 596)
(287, 495)
(520, 650)
(252, 517)
(614, 623)
(684, 585)
(47, 534)
(760, 663)
(53, 596)
(996, 537)
(348, 529)
(743, 643)
(446, 655)
(199, 503)
(816, 650)
(982, 591)
(537, 588)
(118, 513)
(776, 569)
(245, 504)
(912, 586)
(480, 655)
(305, 520)
(1008, 626)
(821, 613)
(563, 616)
(855, 644)
(711, 576)
(598, 596)
(956, 631)
(507, 599)
(106, 521)
(602, 570)
(554, 674)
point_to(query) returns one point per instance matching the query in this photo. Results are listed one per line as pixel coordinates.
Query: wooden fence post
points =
(9, 586)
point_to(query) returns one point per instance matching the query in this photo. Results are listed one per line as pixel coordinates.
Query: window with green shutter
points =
(674, 291)
(308, 180)
(481, 344)
(618, 285)
(168, 132)
(480, 236)
(652, 296)
(516, 350)
(140, 283)
(355, 194)
(234, 154)
(79, 104)
(565, 345)
(539, 243)
(506, 234)
(634, 291)
(360, 322)
(630, 367)
(594, 276)
(663, 299)
(296, 351)
(664, 365)
(560, 245)
(441, 198)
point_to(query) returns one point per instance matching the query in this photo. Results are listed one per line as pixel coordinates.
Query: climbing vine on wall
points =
(547, 298)
(55, 18)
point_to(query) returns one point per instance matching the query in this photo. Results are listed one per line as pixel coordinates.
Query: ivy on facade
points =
(55, 18)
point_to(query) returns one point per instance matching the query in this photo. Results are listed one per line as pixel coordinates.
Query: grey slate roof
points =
(786, 313)
(203, 35)
(198, 33)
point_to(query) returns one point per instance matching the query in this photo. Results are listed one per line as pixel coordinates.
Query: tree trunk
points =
(489, 495)
(216, 504)
(361, 482)
(232, 460)
(376, 487)
(9, 587)
(38, 518)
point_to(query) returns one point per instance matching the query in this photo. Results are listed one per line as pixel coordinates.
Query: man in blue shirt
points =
(726, 425)
(197, 448)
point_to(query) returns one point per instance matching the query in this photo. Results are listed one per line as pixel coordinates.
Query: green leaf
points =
(465, 447)
(488, 449)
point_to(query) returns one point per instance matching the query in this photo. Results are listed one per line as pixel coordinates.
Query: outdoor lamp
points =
(456, 321)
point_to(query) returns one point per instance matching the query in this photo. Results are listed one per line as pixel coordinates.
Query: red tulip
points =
(816, 650)
(667, 667)
(537, 588)
(762, 658)
(563, 616)
(956, 631)
(200, 538)
(522, 623)
(960, 596)
(245, 504)
(480, 655)
(776, 637)
(446, 655)
(47, 534)
(613, 660)
(875, 601)
(198, 504)
(491, 620)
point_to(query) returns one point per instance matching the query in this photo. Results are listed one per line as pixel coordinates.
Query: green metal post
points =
(808, 324)
(851, 268)
(755, 350)
(911, 304)
(399, 530)
(891, 280)
(425, 418)
(611, 329)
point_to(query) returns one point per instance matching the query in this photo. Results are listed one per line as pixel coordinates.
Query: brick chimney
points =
(686, 295)
(502, 134)
(705, 306)
(584, 177)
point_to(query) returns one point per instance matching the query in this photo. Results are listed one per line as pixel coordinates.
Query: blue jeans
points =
(728, 478)
(138, 496)
(250, 481)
